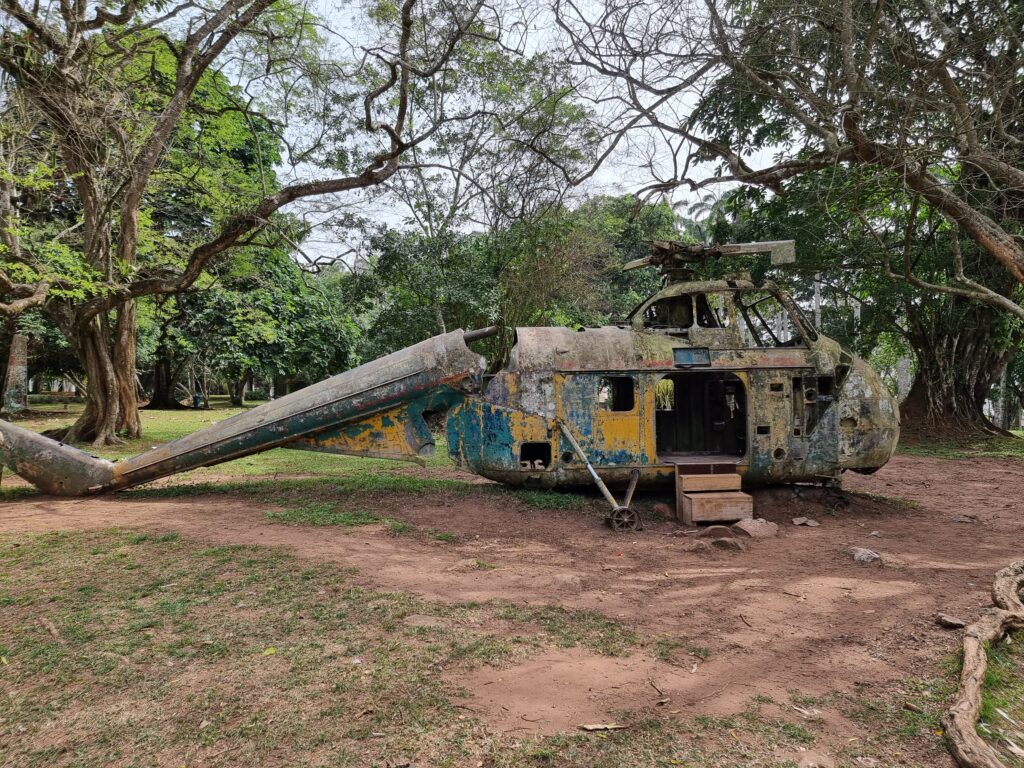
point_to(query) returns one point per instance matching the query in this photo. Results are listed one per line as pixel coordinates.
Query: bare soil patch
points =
(791, 614)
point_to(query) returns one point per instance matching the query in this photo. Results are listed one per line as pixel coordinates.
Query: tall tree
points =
(108, 112)
(851, 234)
(924, 94)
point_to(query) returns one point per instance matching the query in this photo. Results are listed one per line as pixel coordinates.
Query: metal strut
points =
(621, 517)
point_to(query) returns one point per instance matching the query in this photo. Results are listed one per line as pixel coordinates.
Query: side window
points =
(616, 393)
(766, 321)
(712, 310)
(665, 395)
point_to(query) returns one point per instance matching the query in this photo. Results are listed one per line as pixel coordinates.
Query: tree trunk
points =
(125, 369)
(165, 384)
(111, 402)
(236, 390)
(955, 374)
(165, 378)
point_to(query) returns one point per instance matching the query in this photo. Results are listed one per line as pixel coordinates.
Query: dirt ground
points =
(791, 614)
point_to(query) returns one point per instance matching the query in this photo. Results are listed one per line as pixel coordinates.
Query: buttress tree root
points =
(960, 721)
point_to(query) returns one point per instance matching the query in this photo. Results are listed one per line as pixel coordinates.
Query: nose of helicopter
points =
(869, 420)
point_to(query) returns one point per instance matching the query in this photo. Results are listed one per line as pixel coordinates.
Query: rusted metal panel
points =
(399, 433)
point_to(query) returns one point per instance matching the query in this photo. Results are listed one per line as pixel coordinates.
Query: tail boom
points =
(442, 364)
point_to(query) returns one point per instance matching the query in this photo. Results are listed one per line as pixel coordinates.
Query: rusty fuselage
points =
(652, 394)
(689, 379)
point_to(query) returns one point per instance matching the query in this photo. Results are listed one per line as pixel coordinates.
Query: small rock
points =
(965, 519)
(875, 533)
(867, 762)
(806, 521)
(863, 555)
(949, 622)
(757, 528)
(734, 545)
(717, 532)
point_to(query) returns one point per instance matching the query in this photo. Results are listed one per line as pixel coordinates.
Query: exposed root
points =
(960, 721)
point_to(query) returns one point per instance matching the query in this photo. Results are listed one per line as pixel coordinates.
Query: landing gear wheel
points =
(624, 519)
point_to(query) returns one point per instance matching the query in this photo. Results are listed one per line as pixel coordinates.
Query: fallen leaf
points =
(270, 651)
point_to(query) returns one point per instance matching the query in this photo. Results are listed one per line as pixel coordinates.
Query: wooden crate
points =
(715, 507)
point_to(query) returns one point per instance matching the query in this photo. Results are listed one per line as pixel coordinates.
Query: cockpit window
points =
(672, 312)
(766, 321)
(713, 310)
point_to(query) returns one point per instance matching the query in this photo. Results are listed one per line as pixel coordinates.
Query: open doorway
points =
(701, 414)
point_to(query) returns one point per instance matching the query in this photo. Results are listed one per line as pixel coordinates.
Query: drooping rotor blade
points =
(637, 264)
(781, 251)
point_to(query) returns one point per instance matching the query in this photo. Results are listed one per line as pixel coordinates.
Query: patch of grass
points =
(398, 527)
(983, 447)
(667, 649)
(483, 565)
(570, 628)
(322, 514)
(441, 536)
(888, 720)
(155, 538)
(14, 493)
(550, 499)
(283, 489)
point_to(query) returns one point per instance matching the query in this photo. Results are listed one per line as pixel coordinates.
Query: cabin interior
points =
(700, 413)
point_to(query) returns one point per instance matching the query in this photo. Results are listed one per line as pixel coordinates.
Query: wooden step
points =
(730, 482)
(714, 506)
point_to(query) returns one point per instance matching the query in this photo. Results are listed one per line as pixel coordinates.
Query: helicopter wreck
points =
(710, 385)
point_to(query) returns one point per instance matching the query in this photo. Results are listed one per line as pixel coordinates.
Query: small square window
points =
(616, 393)
(535, 455)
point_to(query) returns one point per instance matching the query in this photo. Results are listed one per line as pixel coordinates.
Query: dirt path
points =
(792, 613)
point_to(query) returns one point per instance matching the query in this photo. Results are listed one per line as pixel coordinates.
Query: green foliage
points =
(563, 267)
(264, 317)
